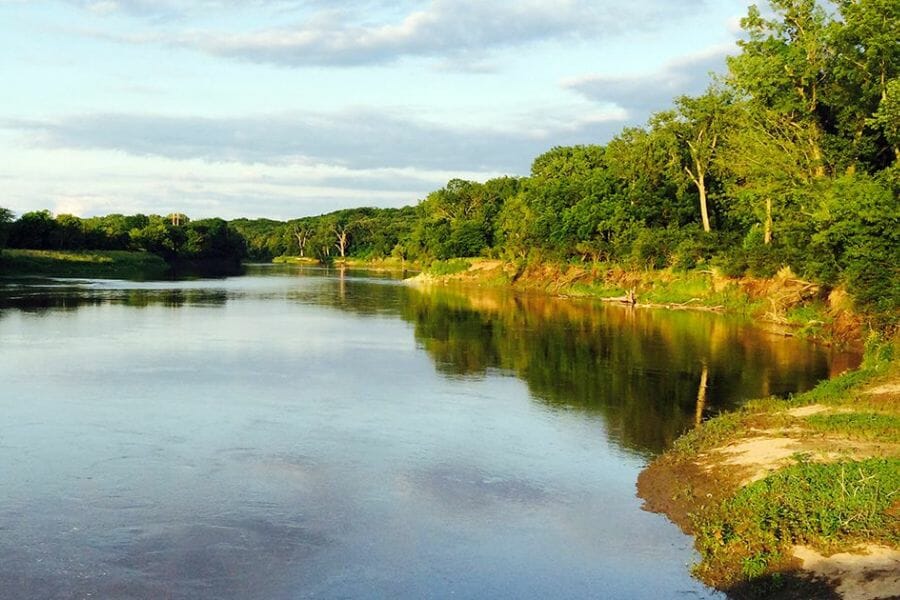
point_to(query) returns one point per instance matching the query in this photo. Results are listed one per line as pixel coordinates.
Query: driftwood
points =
(628, 298)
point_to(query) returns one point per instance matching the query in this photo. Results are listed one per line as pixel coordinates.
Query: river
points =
(312, 433)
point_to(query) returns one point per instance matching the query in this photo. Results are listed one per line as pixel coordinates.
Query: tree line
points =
(789, 159)
(175, 237)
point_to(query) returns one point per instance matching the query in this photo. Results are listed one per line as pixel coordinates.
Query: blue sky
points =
(284, 108)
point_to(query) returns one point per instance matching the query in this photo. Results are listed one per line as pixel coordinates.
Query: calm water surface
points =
(302, 433)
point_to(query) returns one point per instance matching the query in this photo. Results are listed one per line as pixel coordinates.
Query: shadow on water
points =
(40, 299)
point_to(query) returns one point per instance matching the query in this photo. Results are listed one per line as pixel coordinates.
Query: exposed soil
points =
(871, 572)
(678, 488)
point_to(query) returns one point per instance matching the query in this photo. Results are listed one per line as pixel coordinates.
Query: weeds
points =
(449, 267)
(868, 426)
(828, 506)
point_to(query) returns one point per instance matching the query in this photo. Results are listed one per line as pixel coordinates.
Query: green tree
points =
(34, 229)
(857, 242)
(866, 61)
(6, 218)
(784, 66)
(694, 133)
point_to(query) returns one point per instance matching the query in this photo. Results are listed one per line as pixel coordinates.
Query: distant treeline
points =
(175, 238)
(790, 159)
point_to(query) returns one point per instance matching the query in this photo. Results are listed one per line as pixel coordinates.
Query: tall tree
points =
(784, 66)
(695, 129)
(766, 154)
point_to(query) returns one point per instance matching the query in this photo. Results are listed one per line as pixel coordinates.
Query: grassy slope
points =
(841, 487)
(93, 264)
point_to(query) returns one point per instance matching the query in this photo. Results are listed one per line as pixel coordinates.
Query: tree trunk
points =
(342, 238)
(818, 167)
(704, 212)
(301, 241)
(767, 235)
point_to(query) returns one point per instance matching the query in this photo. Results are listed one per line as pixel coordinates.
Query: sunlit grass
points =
(54, 263)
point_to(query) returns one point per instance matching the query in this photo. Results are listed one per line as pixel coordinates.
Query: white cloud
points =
(95, 182)
(642, 94)
(458, 32)
(354, 139)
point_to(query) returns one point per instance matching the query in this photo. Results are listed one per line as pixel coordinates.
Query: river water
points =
(306, 433)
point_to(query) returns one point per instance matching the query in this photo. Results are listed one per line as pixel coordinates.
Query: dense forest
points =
(789, 159)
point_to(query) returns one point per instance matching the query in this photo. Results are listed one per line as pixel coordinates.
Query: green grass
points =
(449, 267)
(93, 264)
(868, 426)
(808, 320)
(710, 435)
(689, 288)
(827, 506)
(595, 290)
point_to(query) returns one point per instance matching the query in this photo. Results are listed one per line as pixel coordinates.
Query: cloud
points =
(353, 139)
(183, 9)
(161, 11)
(98, 182)
(445, 29)
(643, 94)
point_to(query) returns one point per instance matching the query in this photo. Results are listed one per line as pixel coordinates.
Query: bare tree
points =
(343, 238)
(302, 235)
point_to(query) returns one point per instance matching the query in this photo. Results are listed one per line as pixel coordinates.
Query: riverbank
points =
(783, 304)
(112, 264)
(795, 498)
(370, 264)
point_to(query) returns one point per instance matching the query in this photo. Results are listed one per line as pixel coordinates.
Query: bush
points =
(653, 248)
(858, 242)
(763, 260)
(825, 505)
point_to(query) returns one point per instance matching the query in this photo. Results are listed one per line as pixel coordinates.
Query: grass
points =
(827, 506)
(300, 260)
(745, 534)
(859, 425)
(93, 264)
(440, 268)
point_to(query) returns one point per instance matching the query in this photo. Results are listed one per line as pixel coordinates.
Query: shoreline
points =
(98, 264)
(773, 492)
(108, 264)
(782, 305)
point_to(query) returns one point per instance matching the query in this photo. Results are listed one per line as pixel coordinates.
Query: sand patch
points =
(759, 456)
(806, 411)
(486, 265)
(872, 573)
(886, 389)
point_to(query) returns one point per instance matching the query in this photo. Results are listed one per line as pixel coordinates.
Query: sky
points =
(287, 108)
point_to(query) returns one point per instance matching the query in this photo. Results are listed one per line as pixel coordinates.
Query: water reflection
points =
(651, 374)
(41, 298)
